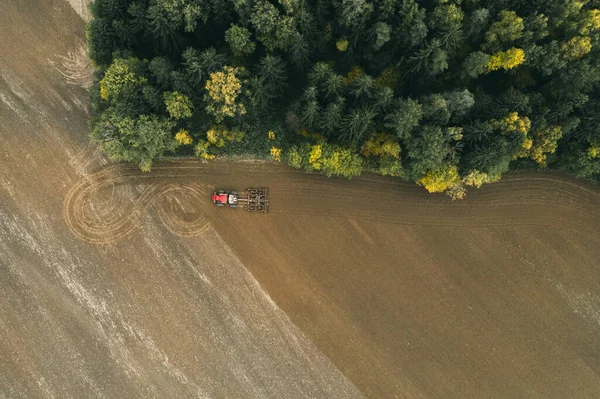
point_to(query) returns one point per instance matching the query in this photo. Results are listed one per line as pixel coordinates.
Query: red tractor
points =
(254, 199)
(222, 198)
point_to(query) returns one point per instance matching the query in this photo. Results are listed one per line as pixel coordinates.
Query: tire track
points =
(550, 201)
(107, 220)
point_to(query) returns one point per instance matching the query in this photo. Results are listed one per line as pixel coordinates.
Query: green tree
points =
(109, 9)
(268, 83)
(536, 28)
(383, 100)
(265, 20)
(332, 116)
(476, 64)
(239, 40)
(478, 132)
(271, 70)
(102, 41)
(492, 157)
(478, 22)
(137, 13)
(198, 65)
(505, 31)
(333, 85)
(176, 13)
(381, 34)
(435, 109)
(354, 13)
(459, 102)
(405, 116)
(547, 58)
(430, 59)
(446, 17)
(261, 97)
(363, 87)
(179, 106)
(161, 69)
(357, 124)
(162, 28)
(311, 111)
(139, 140)
(122, 79)
(412, 26)
(320, 73)
(428, 150)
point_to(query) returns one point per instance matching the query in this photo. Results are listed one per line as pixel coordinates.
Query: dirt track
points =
(559, 202)
(123, 284)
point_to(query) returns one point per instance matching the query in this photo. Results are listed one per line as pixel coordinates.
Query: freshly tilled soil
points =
(117, 283)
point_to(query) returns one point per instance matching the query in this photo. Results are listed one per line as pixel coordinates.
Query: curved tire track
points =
(106, 220)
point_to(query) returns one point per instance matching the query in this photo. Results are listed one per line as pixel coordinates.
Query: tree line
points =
(446, 93)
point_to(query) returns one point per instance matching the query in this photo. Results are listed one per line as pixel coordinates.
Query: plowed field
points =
(116, 283)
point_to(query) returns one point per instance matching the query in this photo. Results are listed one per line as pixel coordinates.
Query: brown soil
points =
(123, 284)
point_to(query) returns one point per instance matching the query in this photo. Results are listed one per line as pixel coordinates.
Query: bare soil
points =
(117, 283)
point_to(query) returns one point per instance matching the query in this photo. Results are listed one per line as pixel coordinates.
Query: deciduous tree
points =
(179, 106)
(222, 94)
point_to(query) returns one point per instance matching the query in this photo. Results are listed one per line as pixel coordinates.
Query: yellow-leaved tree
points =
(381, 144)
(276, 154)
(295, 157)
(330, 159)
(513, 123)
(386, 149)
(545, 141)
(216, 137)
(354, 74)
(506, 59)
(590, 23)
(342, 44)
(314, 157)
(183, 137)
(576, 47)
(341, 162)
(222, 92)
(437, 181)
(474, 178)
(387, 78)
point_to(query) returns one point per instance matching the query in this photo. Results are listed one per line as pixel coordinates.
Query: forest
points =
(446, 93)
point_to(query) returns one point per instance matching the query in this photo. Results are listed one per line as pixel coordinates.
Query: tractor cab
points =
(232, 198)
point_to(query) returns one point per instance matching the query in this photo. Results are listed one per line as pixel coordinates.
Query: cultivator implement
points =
(253, 200)
(256, 200)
